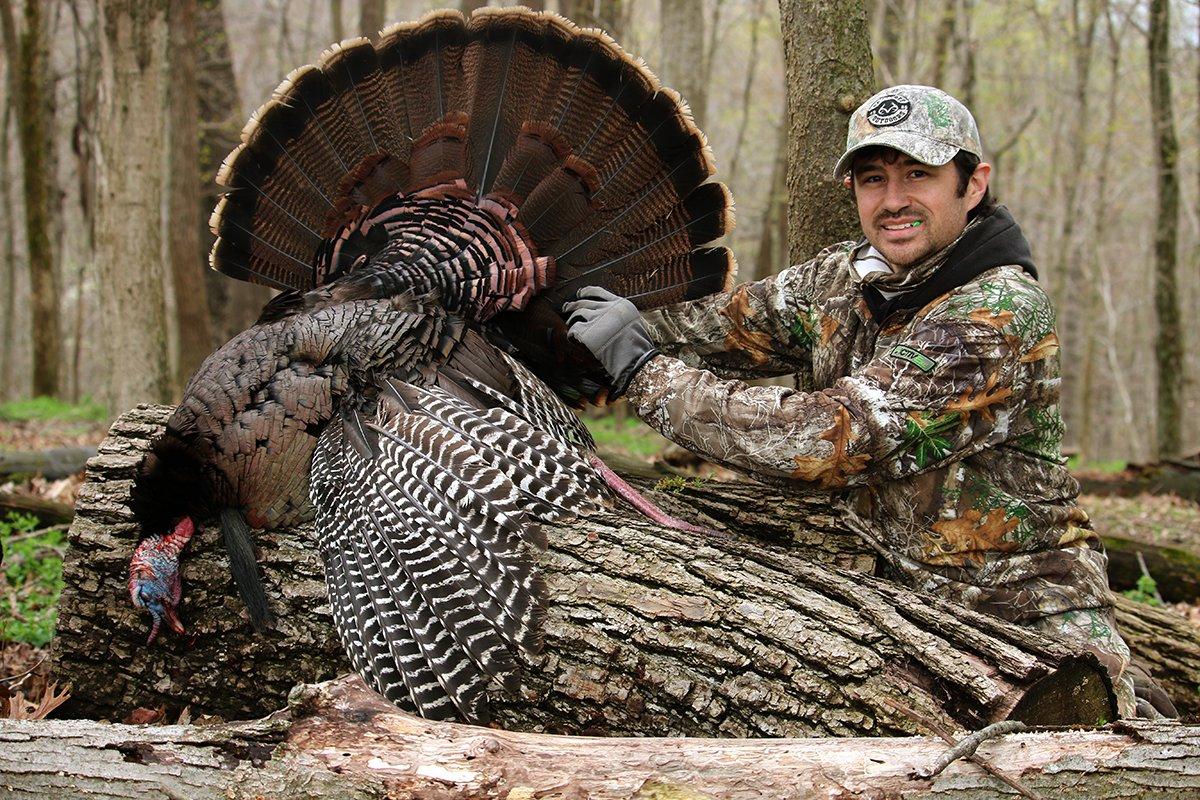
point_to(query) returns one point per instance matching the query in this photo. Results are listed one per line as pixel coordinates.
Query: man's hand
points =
(612, 328)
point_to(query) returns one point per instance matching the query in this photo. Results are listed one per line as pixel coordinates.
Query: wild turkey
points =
(427, 204)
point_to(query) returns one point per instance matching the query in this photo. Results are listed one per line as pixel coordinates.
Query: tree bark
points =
(682, 63)
(1167, 646)
(649, 631)
(1168, 340)
(827, 67)
(27, 61)
(339, 740)
(186, 214)
(131, 151)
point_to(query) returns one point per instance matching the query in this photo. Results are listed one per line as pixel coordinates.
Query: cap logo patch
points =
(889, 111)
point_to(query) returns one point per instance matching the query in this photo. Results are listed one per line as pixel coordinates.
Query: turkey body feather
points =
(426, 205)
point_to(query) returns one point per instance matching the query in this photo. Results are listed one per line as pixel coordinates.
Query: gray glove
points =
(612, 328)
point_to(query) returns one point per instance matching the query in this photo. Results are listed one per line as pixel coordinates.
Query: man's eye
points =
(918, 173)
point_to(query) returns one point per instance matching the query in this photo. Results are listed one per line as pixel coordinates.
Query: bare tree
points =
(1169, 339)
(7, 208)
(604, 14)
(131, 148)
(370, 18)
(682, 63)
(185, 215)
(27, 59)
(941, 44)
(827, 62)
(1067, 270)
(335, 20)
(232, 305)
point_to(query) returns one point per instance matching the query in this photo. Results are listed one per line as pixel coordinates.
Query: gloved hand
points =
(612, 328)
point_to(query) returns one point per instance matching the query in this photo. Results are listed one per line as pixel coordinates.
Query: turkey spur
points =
(427, 205)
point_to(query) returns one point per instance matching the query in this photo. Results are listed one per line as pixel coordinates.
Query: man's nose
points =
(896, 197)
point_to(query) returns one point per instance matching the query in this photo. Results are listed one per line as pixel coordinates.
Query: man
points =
(929, 374)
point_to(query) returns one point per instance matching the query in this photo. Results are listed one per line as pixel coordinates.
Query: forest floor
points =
(33, 555)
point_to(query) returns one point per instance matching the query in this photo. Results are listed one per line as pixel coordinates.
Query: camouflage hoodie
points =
(938, 425)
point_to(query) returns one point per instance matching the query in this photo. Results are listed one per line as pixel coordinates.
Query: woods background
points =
(117, 114)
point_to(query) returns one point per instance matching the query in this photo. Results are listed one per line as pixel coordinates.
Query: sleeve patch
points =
(914, 357)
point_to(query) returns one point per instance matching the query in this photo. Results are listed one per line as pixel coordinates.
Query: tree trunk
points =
(233, 305)
(827, 66)
(186, 215)
(339, 740)
(335, 20)
(131, 151)
(604, 14)
(27, 62)
(941, 44)
(1067, 271)
(370, 18)
(682, 64)
(8, 349)
(649, 631)
(1168, 341)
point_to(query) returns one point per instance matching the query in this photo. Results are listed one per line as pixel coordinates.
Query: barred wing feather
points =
(427, 519)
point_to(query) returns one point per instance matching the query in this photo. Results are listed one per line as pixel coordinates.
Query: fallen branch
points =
(58, 462)
(49, 512)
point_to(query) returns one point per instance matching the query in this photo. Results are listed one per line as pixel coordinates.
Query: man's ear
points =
(977, 184)
(846, 180)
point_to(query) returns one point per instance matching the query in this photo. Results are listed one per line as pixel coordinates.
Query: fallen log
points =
(650, 632)
(339, 740)
(1174, 567)
(57, 462)
(49, 512)
(1168, 647)
(1179, 477)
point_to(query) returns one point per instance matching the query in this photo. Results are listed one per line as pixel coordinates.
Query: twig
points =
(967, 746)
(23, 675)
(1146, 572)
(938, 730)
(17, 537)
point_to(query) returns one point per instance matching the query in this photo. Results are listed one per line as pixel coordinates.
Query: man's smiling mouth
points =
(915, 223)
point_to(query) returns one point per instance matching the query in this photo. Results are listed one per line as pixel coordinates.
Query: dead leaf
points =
(1045, 348)
(19, 707)
(755, 345)
(980, 400)
(146, 716)
(833, 471)
(968, 537)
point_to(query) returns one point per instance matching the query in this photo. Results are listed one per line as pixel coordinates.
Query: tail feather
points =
(600, 163)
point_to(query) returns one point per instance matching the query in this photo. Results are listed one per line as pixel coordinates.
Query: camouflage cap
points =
(921, 121)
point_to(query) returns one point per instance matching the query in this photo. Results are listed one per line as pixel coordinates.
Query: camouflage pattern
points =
(939, 432)
(924, 122)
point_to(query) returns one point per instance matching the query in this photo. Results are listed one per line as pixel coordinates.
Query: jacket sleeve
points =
(758, 330)
(948, 390)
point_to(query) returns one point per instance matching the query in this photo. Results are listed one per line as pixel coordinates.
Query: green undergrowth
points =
(629, 436)
(1145, 592)
(44, 409)
(32, 579)
(1109, 466)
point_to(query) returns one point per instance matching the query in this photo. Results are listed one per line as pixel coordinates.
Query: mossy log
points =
(650, 631)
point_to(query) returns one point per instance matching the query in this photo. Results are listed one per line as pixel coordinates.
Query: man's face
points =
(909, 210)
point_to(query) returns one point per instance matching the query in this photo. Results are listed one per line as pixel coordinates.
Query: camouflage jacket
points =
(939, 429)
